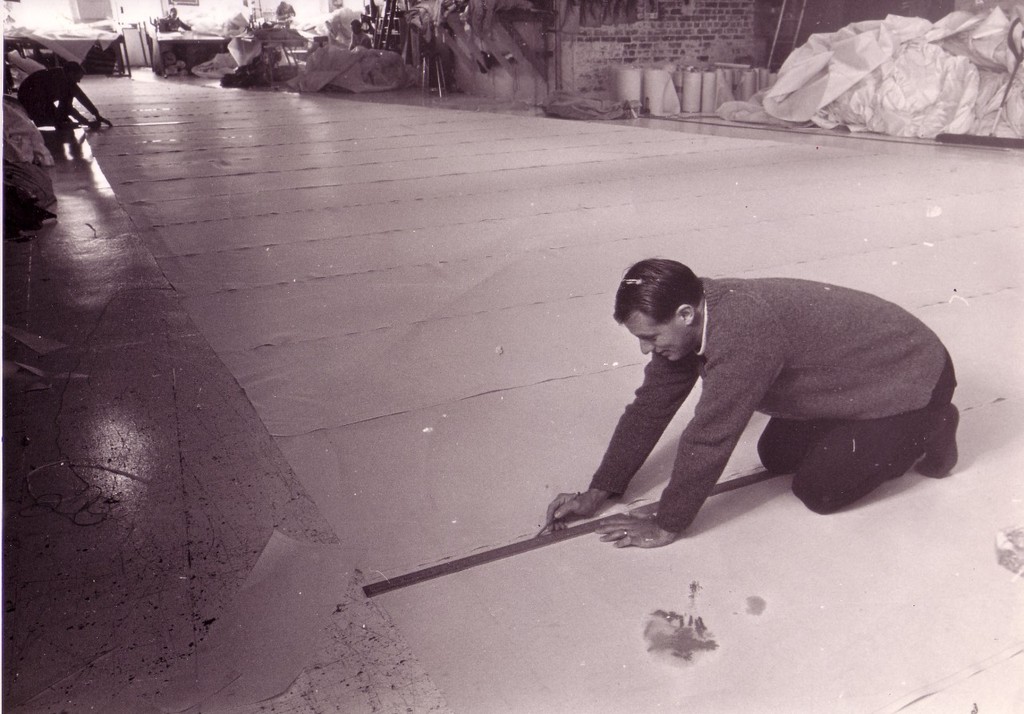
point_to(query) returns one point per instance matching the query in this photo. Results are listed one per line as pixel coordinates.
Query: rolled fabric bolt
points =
(627, 84)
(691, 92)
(762, 78)
(728, 76)
(677, 80)
(747, 85)
(658, 93)
(670, 102)
(708, 92)
(723, 87)
(670, 99)
(652, 90)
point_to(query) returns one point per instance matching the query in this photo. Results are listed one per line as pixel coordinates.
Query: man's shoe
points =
(940, 452)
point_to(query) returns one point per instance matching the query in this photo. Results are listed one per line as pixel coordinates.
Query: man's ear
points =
(686, 313)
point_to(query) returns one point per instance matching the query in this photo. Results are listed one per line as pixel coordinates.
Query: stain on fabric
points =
(1010, 549)
(756, 605)
(678, 636)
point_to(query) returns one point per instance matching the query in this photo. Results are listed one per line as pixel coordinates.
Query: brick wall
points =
(685, 32)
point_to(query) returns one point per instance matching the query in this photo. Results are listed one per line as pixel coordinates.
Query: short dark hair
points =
(656, 287)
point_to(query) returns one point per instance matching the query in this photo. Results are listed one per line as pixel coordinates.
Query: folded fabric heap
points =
(905, 77)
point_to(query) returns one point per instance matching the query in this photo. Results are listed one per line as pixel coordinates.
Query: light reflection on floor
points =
(191, 485)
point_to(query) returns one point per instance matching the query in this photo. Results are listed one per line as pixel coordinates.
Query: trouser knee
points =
(773, 461)
(784, 443)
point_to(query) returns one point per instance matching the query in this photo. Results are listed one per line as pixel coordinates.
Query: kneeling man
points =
(857, 388)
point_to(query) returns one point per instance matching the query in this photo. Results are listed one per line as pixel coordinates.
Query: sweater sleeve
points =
(83, 99)
(747, 359)
(665, 387)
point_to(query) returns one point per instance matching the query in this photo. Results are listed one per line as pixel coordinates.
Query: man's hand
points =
(565, 505)
(626, 531)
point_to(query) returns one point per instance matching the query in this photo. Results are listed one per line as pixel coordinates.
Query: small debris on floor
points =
(679, 636)
(1010, 549)
(755, 605)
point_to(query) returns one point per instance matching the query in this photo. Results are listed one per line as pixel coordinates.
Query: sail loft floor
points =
(326, 340)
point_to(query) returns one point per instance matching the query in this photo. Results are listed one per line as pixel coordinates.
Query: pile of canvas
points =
(905, 77)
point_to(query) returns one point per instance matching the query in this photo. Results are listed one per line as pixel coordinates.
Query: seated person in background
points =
(359, 37)
(48, 97)
(172, 23)
(285, 14)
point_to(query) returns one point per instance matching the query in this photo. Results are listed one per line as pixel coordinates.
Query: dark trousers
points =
(836, 462)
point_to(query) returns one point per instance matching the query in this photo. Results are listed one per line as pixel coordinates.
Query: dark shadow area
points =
(723, 508)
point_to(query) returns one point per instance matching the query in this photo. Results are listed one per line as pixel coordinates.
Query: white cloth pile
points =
(359, 70)
(905, 77)
(22, 140)
(220, 65)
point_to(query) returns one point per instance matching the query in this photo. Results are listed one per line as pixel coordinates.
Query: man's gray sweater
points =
(789, 348)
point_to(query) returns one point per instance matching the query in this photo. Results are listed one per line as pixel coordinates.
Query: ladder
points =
(778, 29)
(388, 34)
